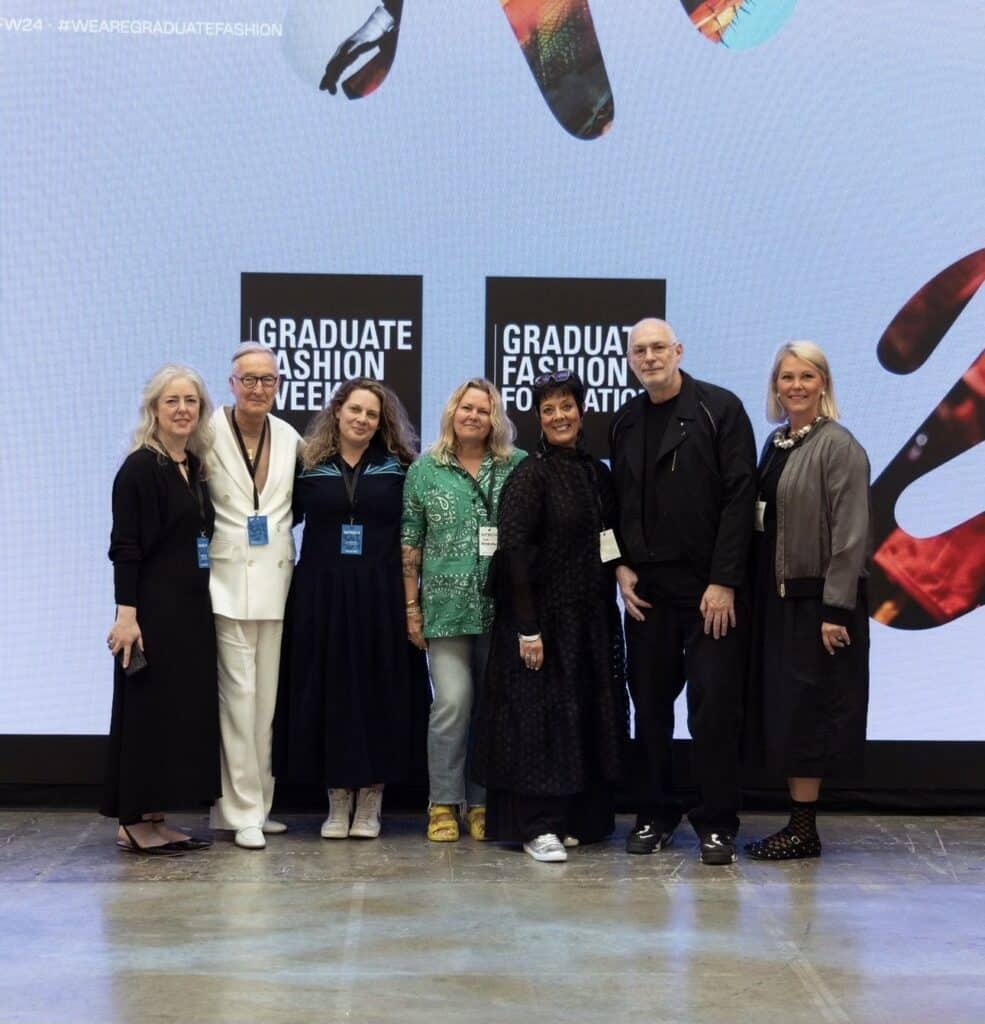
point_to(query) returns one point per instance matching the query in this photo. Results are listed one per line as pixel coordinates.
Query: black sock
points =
(803, 818)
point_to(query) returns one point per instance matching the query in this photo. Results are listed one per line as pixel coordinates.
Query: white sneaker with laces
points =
(336, 825)
(273, 828)
(366, 820)
(547, 848)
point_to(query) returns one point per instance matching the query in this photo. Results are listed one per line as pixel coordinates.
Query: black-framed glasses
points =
(557, 377)
(250, 381)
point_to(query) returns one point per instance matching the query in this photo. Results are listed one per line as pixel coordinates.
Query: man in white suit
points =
(251, 480)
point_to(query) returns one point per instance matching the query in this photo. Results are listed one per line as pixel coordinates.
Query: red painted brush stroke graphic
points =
(919, 583)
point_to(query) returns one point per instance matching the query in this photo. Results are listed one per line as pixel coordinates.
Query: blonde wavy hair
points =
(145, 431)
(321, 439)
(808, 352)
(501, 434)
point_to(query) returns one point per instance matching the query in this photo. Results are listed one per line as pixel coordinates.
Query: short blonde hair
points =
(808, 352)
(501, 435)
(200, 440)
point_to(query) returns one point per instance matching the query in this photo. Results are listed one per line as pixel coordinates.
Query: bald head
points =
(652, 327)
(654, 355)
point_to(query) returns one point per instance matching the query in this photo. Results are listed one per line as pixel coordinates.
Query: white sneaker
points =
(250, 838)
(336, 825)
(571, 841)
(273, 828)
(366, 821)
(546, 848)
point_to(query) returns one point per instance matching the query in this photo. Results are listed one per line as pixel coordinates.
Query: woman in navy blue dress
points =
(354, 691)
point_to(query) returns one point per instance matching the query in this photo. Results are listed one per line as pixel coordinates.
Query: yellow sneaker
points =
(442, 824)
(476, 821)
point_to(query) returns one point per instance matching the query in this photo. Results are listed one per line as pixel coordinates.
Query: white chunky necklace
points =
(792, 440)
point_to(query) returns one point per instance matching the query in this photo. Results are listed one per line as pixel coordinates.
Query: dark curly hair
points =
(321, 439)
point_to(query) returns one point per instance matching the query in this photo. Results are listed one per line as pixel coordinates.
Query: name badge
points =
(488, 540)
(608, 546)
(256, 531)
(759, 523)
(202, 551)
(352, 539)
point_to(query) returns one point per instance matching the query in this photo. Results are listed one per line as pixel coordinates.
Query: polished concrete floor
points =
(889, 925)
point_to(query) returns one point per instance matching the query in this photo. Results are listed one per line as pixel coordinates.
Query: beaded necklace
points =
(792, 440)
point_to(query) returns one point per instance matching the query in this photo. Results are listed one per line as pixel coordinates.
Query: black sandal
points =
(189, 844)
(164, 850)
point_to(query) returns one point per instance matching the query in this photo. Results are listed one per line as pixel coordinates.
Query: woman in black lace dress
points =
(555, 716)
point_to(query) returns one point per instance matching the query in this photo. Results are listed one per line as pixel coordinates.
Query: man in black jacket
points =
(684, 467)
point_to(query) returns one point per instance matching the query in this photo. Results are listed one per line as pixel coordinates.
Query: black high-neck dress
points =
(560, 731)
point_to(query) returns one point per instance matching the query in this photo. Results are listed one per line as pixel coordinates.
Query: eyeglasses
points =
(659, 348)
(557, 377)
(249, 381)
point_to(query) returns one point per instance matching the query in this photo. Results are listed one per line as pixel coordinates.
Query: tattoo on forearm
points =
(410, 559)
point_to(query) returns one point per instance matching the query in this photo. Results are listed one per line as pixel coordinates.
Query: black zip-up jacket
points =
(709, 498)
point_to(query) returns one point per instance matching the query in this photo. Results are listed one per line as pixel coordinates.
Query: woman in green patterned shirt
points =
(448, 534)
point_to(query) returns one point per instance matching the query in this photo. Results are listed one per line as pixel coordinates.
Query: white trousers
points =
(249, 662)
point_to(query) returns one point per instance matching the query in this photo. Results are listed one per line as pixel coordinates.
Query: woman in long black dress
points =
(555, 720)
(810, 663)
(164, 734)
(353, 689)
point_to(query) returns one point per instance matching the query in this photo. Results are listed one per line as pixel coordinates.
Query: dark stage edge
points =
(903, 776)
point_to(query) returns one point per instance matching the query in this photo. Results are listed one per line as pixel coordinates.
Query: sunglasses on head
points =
(557, 377)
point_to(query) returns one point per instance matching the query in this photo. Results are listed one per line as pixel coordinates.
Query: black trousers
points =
(666, 651)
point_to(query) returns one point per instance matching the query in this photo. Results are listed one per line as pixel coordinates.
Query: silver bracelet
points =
(529, 639)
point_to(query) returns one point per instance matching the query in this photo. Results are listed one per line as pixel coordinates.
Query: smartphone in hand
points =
(137, 660)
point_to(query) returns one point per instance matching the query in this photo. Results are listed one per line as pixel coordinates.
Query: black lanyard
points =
(193, 483)
(487, 495)
(350, 477)
(196, 487)
(254, 465)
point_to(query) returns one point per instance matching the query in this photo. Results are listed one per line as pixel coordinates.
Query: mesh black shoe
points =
(718, 848)
(649, 838)
(785, 845)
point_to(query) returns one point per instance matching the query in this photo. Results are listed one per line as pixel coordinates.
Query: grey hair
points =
(248, 348)
(808, 352)
(200, 440)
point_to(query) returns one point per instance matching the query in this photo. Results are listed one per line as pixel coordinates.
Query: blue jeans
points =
(458, 668)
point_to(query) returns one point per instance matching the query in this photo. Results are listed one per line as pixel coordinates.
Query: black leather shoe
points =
(649, 838)
(718, 848)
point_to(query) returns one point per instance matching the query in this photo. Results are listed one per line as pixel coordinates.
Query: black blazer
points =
(710, 499)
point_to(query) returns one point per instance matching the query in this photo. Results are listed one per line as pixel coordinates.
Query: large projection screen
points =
(770, 170)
